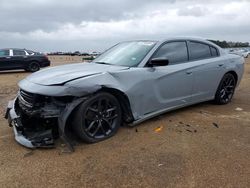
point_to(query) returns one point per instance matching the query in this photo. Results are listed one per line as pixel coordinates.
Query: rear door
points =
(5, 62)
(19, 58)
(207, 70)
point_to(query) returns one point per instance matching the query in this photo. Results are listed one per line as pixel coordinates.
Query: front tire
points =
(225, 91)
(98, 118)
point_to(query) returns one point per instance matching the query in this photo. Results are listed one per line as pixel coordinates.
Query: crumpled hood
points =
(65, 73)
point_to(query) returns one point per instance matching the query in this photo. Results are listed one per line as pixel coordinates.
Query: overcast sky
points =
(87, 25)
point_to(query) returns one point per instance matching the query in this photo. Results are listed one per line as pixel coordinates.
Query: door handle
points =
(220, 65)
(7, 57)
(189, 72)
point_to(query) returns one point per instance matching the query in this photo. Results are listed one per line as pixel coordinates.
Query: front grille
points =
(27, 99)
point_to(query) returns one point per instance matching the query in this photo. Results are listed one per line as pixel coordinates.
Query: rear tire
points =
(33, 67)
(225, 91)
(98, 118)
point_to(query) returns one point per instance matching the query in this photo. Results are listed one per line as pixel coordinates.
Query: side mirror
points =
(155, 62)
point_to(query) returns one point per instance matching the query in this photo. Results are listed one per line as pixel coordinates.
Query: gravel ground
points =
(200, 146)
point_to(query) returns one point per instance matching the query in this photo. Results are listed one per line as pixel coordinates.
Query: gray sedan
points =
(129, 83)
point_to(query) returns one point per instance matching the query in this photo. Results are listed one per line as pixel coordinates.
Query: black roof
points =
(14, 49)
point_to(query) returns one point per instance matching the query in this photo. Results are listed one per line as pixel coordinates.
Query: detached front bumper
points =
(41, 133)
(23, 135)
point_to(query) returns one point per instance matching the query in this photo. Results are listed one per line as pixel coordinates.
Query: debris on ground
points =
(238, 109)
(63, 145)
(216, 125)
(160, 165)
(64, 151)
(188, 125)
(206, 113)
(158, 129)
(189, 130)
(136, 130)
(180, 122)
(28, 154)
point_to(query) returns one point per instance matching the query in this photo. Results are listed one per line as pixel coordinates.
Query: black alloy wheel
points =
(226, 89)
(98, 118)
(34, 66)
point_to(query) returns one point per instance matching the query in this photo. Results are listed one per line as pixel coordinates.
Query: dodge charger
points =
(127, 84)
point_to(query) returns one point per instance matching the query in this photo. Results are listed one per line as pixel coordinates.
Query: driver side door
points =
(172, 84)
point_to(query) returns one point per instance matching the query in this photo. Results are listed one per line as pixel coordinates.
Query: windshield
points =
(128, 54)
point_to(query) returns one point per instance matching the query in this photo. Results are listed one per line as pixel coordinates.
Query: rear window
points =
(19, 52)
(214, 51)
(4, 52)
(199, 51)
(30, 52)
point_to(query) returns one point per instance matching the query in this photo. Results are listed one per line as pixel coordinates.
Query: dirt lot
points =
(200, 146)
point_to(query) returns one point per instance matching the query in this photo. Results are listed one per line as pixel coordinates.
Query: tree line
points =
(230, 44)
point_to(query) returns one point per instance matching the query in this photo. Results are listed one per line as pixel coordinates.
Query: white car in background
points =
(242, 52)
(245, 53)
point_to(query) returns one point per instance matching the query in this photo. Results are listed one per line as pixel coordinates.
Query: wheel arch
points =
(122, 98)
(234, 74)
(32, 61)
(124, 102)
(67, 118)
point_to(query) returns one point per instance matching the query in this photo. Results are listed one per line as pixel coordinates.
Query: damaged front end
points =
(38, 120)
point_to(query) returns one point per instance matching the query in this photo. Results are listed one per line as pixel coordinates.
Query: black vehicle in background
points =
(28, 60)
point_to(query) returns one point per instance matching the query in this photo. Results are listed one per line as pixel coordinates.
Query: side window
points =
(30, 52)
(198, 51)
(19, 52)
(214, 52)
(4, 53)
(175, 52)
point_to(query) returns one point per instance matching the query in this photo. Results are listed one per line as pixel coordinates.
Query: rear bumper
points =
(22, 135)
(45, 64)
